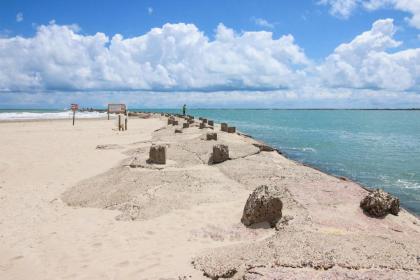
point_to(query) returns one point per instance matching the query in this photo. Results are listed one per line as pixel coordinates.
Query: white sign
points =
(117, 108)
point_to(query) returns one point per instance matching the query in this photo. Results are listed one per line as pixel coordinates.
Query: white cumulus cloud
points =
(344, 8)
(341, 8)
(174, 57)
(365, 62)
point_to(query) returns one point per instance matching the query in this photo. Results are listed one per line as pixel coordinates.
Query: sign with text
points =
(117, 108)
(74, 107)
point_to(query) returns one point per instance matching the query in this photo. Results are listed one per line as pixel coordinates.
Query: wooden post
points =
(119, 122)
(74, 115)
(126, 121)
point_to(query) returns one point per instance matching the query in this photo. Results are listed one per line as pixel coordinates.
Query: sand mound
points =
(311, 249)
(144, 193)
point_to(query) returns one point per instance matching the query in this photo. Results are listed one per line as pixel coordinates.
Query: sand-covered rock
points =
(263, 205)
(379, 203)
(220, 153)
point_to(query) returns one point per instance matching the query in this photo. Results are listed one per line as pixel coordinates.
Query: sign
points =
(74, 108)
(117, 108)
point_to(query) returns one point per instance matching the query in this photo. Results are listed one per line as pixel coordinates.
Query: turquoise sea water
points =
(379, 149)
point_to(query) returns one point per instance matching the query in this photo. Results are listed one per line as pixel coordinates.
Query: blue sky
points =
(301, 54)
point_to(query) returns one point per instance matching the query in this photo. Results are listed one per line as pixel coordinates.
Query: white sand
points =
(47, 163)
(42, 238)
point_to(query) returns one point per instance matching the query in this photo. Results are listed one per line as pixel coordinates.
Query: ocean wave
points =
(11, 116)
(304, 149)
(408, 184)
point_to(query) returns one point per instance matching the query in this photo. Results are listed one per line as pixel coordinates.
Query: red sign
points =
(74, 107)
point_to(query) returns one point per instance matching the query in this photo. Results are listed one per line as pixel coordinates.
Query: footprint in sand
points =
(98, 244)
(122, 264)
(16, 258)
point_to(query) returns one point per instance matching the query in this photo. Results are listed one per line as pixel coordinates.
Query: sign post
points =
(118, 109)
(74, 108)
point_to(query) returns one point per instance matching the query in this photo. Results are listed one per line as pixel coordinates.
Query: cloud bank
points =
(174, 57)
(180, 58)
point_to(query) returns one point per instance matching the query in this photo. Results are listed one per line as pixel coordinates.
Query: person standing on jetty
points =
(184, 108)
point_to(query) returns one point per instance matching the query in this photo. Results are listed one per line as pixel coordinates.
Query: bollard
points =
(224, 127)
(211, 136)
(211, 123)
(231, 129)
(157, 154)
(185, 125)
(174, 122)
(204, 120)
(202, 125)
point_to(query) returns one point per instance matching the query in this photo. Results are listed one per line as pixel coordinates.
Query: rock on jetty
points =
(379, 203)
(157, 154)
(220, 153)
(231, 129)
(211, 136)
(262, 206)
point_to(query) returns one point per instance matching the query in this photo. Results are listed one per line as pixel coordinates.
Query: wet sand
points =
(73, 210)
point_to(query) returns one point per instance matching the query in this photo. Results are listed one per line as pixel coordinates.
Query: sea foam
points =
(11, 116)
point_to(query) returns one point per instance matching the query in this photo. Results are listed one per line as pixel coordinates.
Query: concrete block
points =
(231, 129)
(224, 127)
(157, 154)
(211, 136)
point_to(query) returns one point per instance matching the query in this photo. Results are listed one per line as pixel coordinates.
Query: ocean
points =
(377, 148)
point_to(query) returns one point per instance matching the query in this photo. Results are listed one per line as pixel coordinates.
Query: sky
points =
(210, 54)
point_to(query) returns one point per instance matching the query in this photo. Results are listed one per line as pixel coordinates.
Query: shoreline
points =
(82, 211)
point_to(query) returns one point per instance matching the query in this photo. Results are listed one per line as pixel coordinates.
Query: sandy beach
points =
(82, 202)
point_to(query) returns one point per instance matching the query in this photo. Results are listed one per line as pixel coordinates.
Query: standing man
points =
(184, 108)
